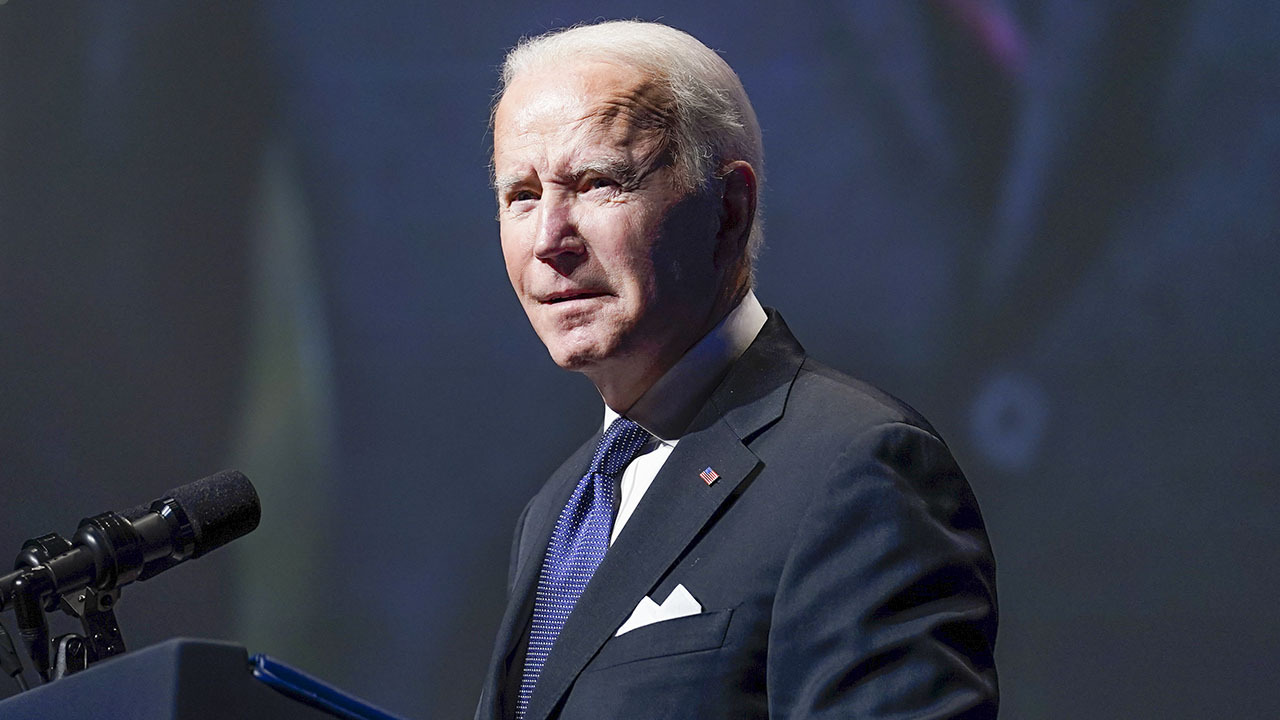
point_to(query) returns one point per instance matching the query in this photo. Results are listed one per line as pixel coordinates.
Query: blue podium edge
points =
(313, 691)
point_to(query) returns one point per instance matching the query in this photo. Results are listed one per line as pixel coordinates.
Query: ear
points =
(738, 192)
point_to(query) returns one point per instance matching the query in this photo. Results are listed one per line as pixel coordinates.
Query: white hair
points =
(713, 123)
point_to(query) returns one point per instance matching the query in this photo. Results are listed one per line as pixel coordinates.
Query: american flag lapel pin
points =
(709, 476)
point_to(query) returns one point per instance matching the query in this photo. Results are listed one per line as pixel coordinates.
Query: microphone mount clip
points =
(35, 592)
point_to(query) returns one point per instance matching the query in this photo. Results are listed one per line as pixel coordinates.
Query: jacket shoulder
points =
(830, 396)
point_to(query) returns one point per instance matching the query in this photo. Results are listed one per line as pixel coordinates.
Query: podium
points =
(179, 679)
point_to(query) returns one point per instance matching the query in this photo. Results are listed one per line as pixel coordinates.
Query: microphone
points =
(114, 549)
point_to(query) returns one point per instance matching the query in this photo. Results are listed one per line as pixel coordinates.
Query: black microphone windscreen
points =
(221, 508)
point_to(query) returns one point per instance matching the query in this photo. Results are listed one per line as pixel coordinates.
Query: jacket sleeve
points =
(886, 607)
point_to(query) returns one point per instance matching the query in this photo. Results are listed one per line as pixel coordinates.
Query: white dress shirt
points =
(667, 408)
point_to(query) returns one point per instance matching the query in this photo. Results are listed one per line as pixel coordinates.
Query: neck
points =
(624, 381)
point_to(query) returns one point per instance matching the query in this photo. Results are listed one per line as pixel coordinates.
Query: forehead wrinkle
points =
(616, 149)
(627, 122)
(636, 121)
(644, 107)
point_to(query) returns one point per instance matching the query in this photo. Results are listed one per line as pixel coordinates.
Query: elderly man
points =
(751, 534)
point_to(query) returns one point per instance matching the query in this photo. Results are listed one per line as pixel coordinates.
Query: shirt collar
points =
(667, 408)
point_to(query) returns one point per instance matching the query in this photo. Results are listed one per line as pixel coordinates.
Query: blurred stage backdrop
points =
(260, 235)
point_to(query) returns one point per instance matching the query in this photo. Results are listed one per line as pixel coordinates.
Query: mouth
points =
(571, 295)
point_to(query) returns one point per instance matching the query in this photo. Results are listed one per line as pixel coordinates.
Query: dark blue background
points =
(260, 235)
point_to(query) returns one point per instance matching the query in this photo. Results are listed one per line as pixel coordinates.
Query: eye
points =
(515, 196)
(601, 182)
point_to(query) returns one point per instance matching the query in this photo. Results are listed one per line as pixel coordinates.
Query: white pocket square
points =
(677, 605)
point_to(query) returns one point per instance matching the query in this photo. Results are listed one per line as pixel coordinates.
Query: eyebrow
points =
(502, 184)
(625, 171)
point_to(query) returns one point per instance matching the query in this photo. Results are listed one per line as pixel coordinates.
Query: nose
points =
(558, 242)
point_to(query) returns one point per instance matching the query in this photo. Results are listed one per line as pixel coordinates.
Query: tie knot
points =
(620, 442)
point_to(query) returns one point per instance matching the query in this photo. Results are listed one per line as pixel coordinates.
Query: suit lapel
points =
(534, 535)
(542, 520)
(673, 511)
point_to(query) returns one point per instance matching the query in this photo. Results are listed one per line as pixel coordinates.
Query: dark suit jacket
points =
(840, 560)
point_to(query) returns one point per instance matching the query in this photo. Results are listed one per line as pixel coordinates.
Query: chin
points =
(573, 351)
(572, 357)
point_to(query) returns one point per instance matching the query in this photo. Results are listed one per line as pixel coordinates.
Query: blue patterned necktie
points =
(578, 544)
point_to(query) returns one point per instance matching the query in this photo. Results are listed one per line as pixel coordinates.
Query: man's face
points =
(612, 259)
